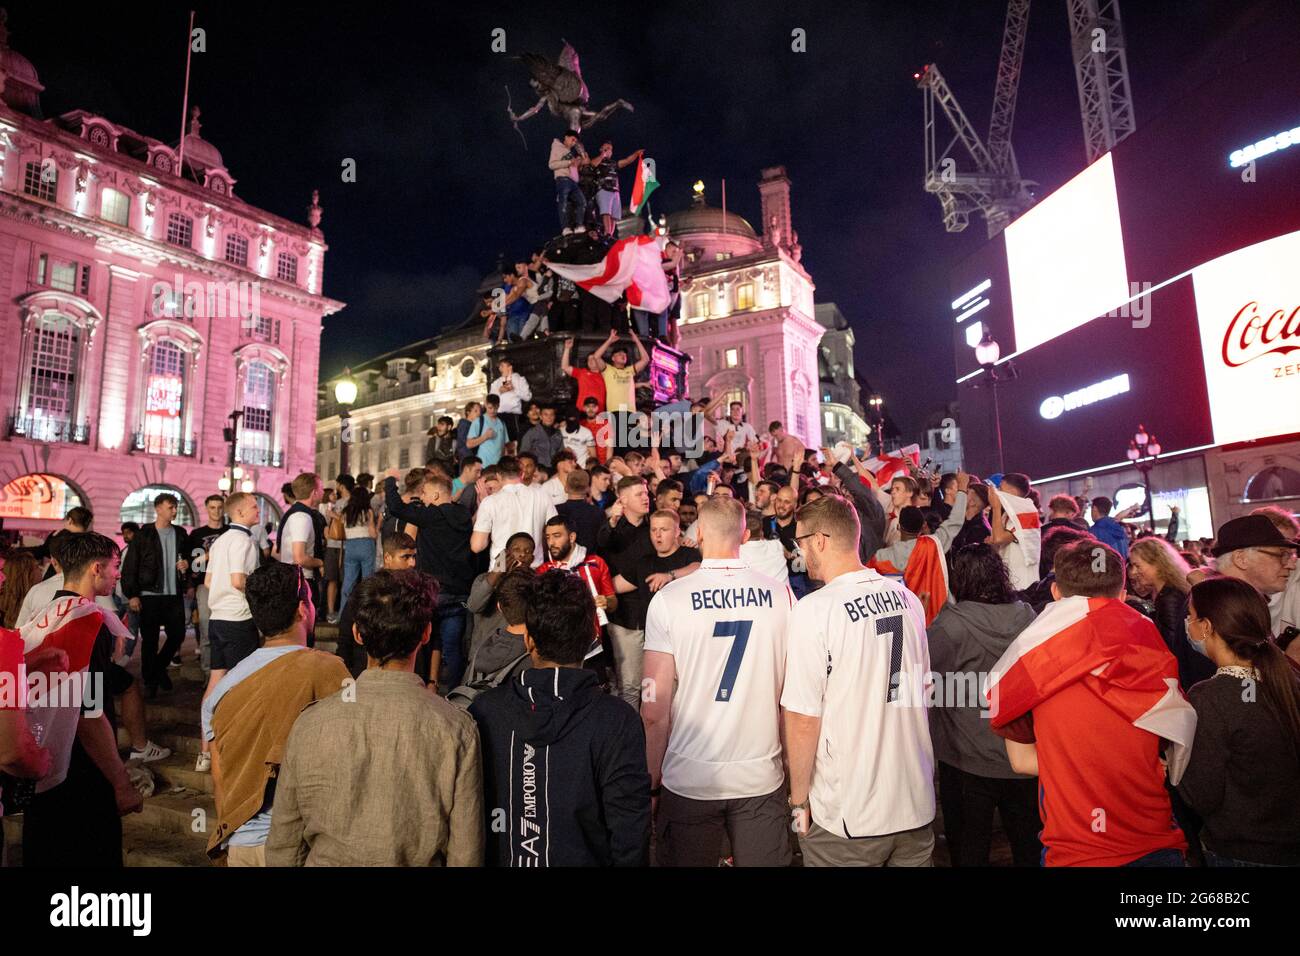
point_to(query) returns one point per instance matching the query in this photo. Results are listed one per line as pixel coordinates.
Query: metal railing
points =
(159, 445)
(267, 457)
(47, 429)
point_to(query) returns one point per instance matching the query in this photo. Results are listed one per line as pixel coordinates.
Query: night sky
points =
(414, 94)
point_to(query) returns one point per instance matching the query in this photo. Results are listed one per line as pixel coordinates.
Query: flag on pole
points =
(644, 183)
(632, 265)
(1110, 649)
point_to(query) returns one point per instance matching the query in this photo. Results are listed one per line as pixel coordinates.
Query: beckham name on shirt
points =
(726, 598)
(878, 603)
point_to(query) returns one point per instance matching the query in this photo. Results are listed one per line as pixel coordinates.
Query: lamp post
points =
(345, 393)
(877, 405)
(230, 480)
(1143, 450)
(987, 353)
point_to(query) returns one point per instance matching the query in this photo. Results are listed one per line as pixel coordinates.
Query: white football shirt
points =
(725, 626)
(859, 660)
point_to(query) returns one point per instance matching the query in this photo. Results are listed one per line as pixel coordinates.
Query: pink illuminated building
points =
(747, 316)
(141, 303)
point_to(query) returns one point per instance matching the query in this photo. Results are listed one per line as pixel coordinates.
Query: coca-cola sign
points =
(1255, 332)
(1248, 309)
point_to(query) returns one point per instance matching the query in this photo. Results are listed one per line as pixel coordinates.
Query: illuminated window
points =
(732, 358)
(745, 296)
(52, 376)
(62, 274)
(180, 230)
(164, 423)
(286, 267)
(701, 304)
(41, 181)
(115, 207)
(138, 505)
(236, 249)
(255, 430)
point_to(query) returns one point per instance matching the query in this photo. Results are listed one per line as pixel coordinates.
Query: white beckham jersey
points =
(725, 626)
(859, 660)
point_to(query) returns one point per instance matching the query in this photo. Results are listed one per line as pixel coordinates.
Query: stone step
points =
(173, 813)
(180, 738)
(145, 846)
(178, 771)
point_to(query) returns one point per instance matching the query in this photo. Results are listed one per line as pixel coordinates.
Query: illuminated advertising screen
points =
(1248, 307)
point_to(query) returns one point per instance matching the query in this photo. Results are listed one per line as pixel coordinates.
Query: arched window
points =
(138, 505)
(1272, 483)
(258, 426)
(169, 357)
(39, 496)
(58, 329)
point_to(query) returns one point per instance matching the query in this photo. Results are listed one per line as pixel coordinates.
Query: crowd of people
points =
(565, 641)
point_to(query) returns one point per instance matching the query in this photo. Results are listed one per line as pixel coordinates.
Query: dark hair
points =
(946, 479)
(558, 521)
(1103, 504)
(565, 455)
(78, 550)
(166, 496)
(520, 458)
(509, 466)
(274, 592)
(1019, 482)
(83, 517)
(630, 481)
(1089, 568)
(445, 420)
(130, 526)
(560, 617)
(393, 609)
(521, 534)
(357, 506)
(514, 591)
(206, 501)
(668, 484)
(347, 481)
(1240, 616)
(365, 480)
(1056, 538)
(396, 541)
(470, 460)
(977, 573)
(911, 520)
(598, 469)
(286, 489)
(493, 400)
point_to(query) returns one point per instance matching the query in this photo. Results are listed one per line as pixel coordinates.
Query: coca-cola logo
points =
(1252, 335)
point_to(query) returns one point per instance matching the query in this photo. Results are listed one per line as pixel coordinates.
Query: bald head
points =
(721, 527)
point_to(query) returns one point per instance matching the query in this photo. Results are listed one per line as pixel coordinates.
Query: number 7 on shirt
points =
(740, 631)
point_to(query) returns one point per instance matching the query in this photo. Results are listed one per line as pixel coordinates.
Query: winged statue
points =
(560, 87)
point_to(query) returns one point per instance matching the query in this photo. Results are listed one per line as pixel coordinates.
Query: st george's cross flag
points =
(893, 465)
(1112, 651)
(70, 624)
(632, 265)
(1021, 556)
(925, 575)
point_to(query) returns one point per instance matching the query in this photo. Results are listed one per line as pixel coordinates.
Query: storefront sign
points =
(34, 496)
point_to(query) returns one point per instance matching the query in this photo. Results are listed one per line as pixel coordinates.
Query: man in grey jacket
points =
(567, 156)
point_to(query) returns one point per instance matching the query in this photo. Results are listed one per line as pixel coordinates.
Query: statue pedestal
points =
(538, 360)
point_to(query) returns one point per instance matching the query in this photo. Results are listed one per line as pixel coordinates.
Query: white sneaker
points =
(580, 229)
(566, 231)
(203, 764)
(150, 752)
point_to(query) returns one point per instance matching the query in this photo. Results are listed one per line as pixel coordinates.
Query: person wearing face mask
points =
(1244, 769)
(1162, 571)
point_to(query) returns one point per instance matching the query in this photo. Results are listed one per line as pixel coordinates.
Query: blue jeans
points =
(451, 632)
(358, 563)
(566, 188)
(1214, 859)
(1160, 858)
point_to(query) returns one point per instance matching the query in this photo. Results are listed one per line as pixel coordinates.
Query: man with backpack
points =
(500, 656)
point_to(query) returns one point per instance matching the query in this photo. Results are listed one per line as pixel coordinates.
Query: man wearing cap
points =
(1253, 549)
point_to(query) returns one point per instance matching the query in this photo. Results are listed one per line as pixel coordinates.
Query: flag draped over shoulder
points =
(632, 265)
(1021, 556)
(925, 574)
(71, 624)
(1112, 650)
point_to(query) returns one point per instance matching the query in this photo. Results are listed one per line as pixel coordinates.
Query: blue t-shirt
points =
(491, 450)
(256, 830)
(167, 537)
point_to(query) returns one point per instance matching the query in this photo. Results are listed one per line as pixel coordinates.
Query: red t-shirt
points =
(1101, 788)
(590, 385)
(600, 576)
(11, 659)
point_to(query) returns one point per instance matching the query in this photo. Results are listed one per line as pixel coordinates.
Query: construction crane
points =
(995, 188)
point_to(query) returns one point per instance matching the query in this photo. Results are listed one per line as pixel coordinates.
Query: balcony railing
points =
(377, 396)
(47, 429)
(158, 445)
(267, 457)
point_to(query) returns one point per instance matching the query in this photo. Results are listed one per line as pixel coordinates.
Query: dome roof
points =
(702, 218)
(201, 154)
(22, 87)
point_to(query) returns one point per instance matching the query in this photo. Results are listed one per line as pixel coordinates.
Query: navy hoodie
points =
(566, 763)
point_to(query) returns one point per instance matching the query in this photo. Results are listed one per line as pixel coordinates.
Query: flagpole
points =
(724, 205)
(185, 99)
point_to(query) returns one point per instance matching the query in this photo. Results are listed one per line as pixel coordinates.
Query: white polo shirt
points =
(297, 527)
(725, 626)
(235, 552)
(515, 507)
(859, 660)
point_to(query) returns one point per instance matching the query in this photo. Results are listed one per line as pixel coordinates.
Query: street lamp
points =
(345, 393)
(1143, 450)
(877, 405)
(987, 353)
(227, 482)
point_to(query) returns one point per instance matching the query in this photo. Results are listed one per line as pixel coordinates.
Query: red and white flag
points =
(893, 465)
(1021, 556)
(71, 624)
(1112, 650)
(925, 575)
(633, 265)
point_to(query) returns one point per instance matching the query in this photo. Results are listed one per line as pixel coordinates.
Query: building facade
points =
(143, 304)
(747, 316)
(841, 396)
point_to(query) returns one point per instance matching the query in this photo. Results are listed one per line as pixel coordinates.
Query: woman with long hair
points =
(975, 776)
(1244, 771)
(1157, 566)
(360, 528)
(21, 572)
